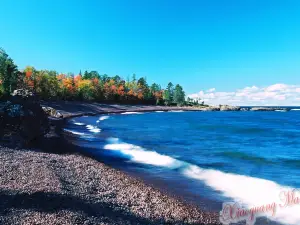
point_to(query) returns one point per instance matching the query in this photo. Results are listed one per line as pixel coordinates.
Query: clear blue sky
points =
(199, 44)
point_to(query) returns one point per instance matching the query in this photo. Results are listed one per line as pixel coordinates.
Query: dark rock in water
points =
(23, 119)
(52, 112)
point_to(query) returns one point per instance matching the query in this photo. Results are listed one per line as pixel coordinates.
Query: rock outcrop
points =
(229, 108)
(244, 109)
(52, 112)
(210, 108)
(23, 119)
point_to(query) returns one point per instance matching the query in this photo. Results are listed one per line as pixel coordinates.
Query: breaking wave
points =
(93, 129)
(249, 191)
(74, 132)
(128, 113)
(78, 123)
(176, 111)
(102, 118)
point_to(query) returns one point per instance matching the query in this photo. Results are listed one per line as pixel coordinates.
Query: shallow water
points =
(205, 157)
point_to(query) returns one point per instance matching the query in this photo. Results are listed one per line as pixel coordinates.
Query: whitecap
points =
(74, 132)
(93, 129)
(125, 113)
(139, 155)
(159, 111)
(248, 191)
(295, 109)
(78, 123)
(102, 118)
(176, 111)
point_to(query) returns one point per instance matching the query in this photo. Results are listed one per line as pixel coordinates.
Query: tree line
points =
(87, 86)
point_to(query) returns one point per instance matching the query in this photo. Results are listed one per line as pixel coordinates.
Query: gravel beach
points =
(47, 188)
(54, 184)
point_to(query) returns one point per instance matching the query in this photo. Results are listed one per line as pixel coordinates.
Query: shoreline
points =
(51, 188)
(64, 176)
(56, 183)
(70, 109)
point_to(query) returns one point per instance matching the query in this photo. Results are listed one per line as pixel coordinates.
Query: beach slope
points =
(47, 188)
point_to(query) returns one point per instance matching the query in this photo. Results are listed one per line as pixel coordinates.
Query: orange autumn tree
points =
(91, 86)
(29, 79)
(97, 86)
(158, 95)
(110, 90)
(67, 86)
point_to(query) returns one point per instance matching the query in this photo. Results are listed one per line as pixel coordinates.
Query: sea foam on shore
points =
(249, 191)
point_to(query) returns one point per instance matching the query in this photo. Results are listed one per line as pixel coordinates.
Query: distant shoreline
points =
(70, 109)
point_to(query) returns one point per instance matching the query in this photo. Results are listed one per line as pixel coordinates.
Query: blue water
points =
(205, 157)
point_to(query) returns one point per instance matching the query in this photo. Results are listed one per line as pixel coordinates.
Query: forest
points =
(87, 86)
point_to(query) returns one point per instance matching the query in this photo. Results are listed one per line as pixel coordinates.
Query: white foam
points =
(102, 118)
(93, 129)
(250, 191)
(280, 110)
(177, 111)
(127, 113)
(78, 123)
(139, 155)
(159, 111)
(295, 109)
(74, 132)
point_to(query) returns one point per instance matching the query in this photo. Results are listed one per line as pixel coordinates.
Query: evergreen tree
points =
(179, 95)
(168, 94)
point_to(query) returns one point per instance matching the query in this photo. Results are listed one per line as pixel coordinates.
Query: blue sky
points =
(226, 45)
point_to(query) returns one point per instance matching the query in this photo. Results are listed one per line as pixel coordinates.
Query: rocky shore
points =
(47, 188)
(65, 109)
(50, 183)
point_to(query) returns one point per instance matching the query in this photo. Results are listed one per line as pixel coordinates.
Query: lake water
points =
(205, 157)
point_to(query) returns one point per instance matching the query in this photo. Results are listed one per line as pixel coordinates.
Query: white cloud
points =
(277, 94)
(211, 90)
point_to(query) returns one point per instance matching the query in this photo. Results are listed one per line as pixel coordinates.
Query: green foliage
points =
(1, 91)
(48, 84)
(8, 73)
(168, 94)
(86, 93)
(90, 75)
(179, 95)
(194, 102)
(155, 87)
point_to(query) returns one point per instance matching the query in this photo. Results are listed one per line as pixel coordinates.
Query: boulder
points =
(52, 112)
(23, 118)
